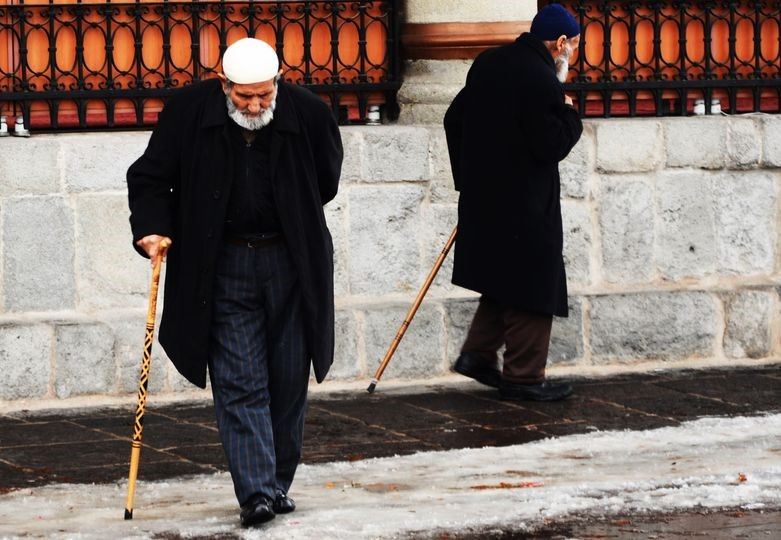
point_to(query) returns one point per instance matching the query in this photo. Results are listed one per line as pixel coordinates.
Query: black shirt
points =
(251, 208)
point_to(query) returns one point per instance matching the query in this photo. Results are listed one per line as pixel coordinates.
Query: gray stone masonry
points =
(630, 145)
(671, 244)
(566, 346)
(771, 141)
(665, 326)
(102, 160)
(128, 338)
(421, 353)
(38, 254)
(576, 222)
(698, 142)
(348, 363)
(749, 318)
(458, 316)
(687, 230)
(107, 270)
(384, 255)
(429, 87)
(25, 360)
(29, 167)
(398, 159)
(84, 361)
(744, 143)
(746, 222)
(576, 169)
(626, 225)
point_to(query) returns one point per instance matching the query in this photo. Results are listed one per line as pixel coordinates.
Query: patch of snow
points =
(707, 463)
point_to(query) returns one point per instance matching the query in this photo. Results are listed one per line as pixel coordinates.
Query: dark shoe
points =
(283, 504)
(546, 391)
(478, 368)
(259, 509)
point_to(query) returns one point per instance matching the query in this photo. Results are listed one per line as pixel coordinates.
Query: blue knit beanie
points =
(553, 21)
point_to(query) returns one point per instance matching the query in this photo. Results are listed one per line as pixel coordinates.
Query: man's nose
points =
(254, 106)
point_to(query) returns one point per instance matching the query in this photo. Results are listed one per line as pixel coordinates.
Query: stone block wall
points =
(671, 243)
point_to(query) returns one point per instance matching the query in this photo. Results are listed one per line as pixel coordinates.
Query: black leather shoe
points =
(283, 504)
(478, 368)
(546, 391)
(259, 509)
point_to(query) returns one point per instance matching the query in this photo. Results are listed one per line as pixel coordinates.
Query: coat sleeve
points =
(152, 180)
(454, 129)
(553, 128)
(328, 152)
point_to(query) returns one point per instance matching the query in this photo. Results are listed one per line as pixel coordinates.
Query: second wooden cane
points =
(412, 310)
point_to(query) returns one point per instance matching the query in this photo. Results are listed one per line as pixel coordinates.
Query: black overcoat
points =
(180, 188)
(507, 130)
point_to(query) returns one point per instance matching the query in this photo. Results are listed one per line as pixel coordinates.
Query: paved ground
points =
(746, 525)
(86, 446)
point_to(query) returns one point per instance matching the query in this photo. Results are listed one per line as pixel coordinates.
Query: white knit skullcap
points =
(250, 61)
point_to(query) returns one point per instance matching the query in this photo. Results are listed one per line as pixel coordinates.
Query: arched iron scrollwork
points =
(96, 64)
(657, 57)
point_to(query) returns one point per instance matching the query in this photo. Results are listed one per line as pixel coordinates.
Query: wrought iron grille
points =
(88, 65)
(657, 57)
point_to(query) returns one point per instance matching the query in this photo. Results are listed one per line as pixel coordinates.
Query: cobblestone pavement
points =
(92, 445)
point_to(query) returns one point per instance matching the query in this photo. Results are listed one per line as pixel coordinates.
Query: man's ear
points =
(560, 41)
(224, 81)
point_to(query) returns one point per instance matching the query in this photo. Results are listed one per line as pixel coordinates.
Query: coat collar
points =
(534, 43)
(285, 117)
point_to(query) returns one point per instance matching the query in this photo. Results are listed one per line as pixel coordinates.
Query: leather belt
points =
(255, 242)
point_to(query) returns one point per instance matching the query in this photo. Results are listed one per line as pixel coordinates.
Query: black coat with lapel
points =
(180, 188)
(506, 131)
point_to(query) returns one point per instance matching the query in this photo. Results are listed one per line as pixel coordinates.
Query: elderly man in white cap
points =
(235, 176)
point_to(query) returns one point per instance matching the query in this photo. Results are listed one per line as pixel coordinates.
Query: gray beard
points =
(562, 67)
(251, 123)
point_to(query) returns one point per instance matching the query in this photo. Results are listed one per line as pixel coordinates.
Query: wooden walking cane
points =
(138, 426)
(412, 310)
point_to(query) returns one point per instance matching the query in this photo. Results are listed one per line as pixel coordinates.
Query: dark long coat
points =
(180, 188)
(506, 131)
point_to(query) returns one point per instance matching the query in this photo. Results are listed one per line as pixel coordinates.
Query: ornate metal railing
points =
(110, 64)
(657, 57)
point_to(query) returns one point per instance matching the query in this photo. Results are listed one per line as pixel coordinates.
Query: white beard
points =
(562, 68)
(251, 123)
(562, 64)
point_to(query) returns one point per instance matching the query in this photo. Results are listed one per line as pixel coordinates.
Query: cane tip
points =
(371, 388)
(128, 514)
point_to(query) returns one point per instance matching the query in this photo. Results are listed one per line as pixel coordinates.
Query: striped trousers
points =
(259, 367)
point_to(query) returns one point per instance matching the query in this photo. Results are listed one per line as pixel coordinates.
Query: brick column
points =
(440, 38)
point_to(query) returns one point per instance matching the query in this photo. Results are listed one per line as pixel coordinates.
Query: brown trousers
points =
(525, 335)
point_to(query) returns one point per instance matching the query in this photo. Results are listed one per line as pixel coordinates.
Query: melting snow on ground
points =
(712, 463)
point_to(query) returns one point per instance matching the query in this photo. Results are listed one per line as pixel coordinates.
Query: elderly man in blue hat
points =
(507, 130)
